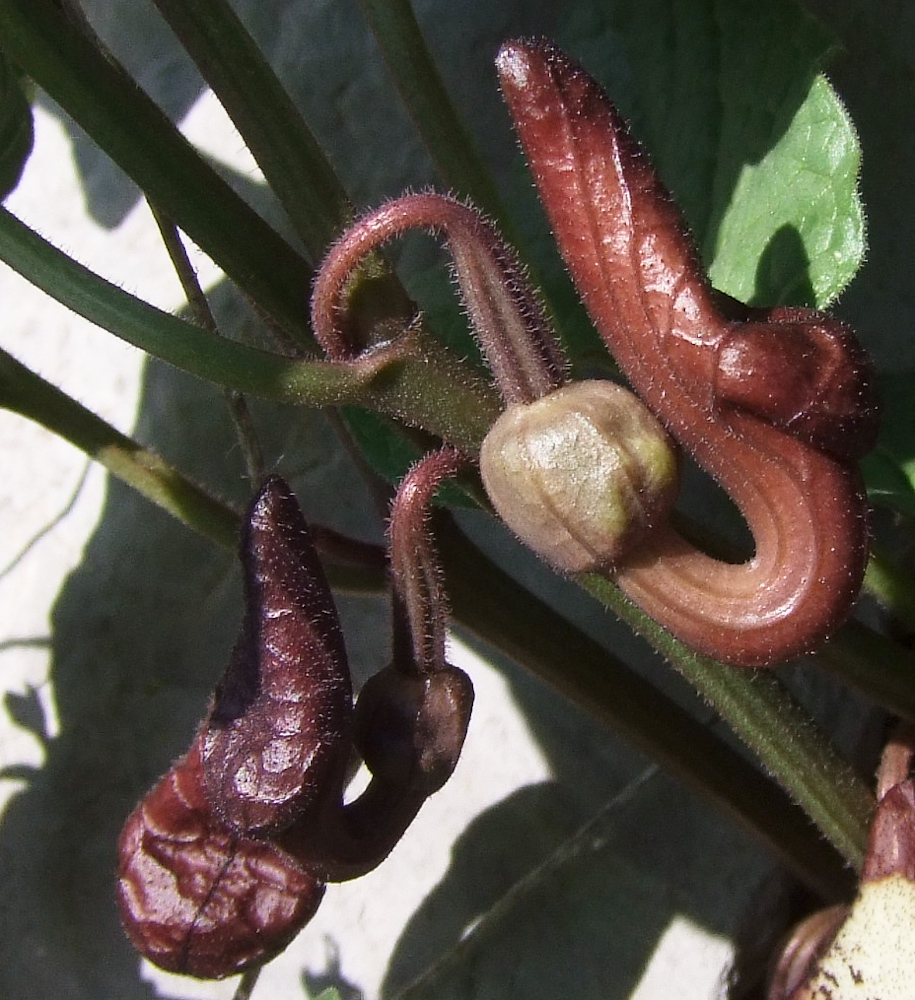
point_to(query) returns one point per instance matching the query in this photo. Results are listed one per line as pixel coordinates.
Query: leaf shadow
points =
(783, 272)
(586, 925)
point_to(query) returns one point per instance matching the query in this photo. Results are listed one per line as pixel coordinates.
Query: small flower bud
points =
(409, 728)
(580, 474)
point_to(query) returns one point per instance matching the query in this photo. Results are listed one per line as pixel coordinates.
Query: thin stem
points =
(24, 392)
(354, 567)
(421, 610)
(426, 97)
(279, 139)
(246, 983)
(522, 896)
(779, 732)
(423, 384)
(488, 603)
(200, 309)
(105, 101)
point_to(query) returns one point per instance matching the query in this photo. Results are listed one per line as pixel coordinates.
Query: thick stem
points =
(780, 733)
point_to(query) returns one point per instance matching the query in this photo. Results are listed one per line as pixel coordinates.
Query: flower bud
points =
(579, 474)
(409, 728)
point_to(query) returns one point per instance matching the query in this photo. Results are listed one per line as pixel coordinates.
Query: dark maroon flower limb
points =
(277, 736)
(775, 406)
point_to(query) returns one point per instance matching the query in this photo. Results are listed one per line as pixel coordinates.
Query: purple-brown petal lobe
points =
(276, 740)
(891, 848)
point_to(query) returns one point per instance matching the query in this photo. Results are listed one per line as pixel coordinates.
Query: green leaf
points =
(754, 144)
(794, 231)
(15, 128)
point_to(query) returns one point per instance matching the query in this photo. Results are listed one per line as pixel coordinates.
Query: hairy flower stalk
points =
(421, 612)
(504, 312)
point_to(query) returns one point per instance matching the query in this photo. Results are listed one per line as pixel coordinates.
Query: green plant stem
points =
(200, 309)
(491, 605)
(31, 396)
(426, 97)
(103, 99)
(783, 737)
(891, 587)
(279, 139)
(423, 384)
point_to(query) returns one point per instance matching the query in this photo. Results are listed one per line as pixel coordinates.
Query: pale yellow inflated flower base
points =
(873, 955)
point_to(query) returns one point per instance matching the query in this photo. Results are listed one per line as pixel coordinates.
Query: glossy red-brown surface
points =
(746, 401)
(194, 897)
(278, 735)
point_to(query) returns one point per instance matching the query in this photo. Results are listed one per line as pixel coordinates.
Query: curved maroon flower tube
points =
(277, 736)
(775, 405)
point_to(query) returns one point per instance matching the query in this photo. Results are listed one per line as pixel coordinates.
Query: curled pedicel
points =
(776, 406)
(504, 312)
